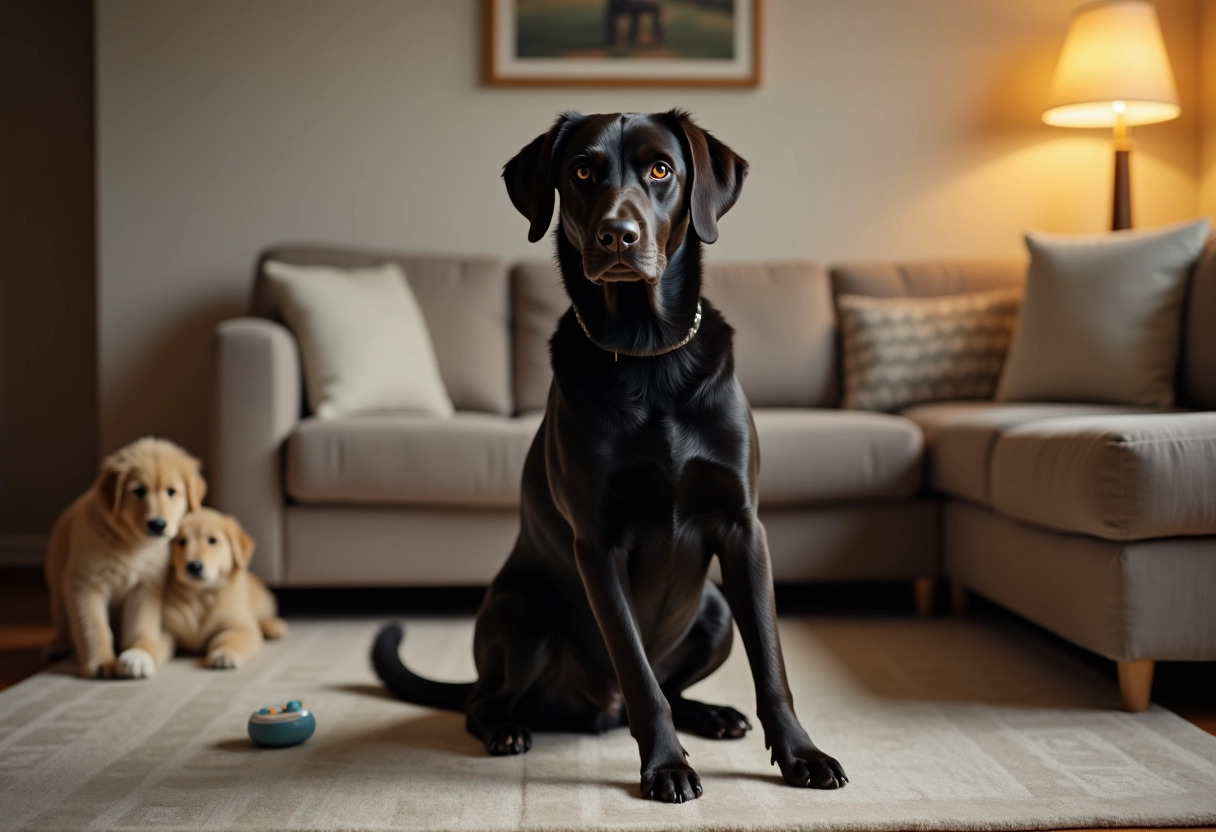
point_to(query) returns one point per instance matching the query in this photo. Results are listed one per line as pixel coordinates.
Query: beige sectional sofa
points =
(1096, 522)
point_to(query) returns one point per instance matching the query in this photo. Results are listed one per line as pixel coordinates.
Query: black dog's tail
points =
(405, 684)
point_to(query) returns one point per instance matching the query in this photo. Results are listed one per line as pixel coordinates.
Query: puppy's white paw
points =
(136, 664)
(221, 659)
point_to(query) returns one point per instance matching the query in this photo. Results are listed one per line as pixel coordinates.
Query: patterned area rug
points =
(941, 724)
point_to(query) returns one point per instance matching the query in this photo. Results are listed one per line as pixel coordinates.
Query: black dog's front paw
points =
(809, 768)
(717, 722)
(508, 738)
(671, 784)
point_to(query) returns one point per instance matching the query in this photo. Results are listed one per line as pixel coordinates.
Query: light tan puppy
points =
(214, 604)
(110, 552)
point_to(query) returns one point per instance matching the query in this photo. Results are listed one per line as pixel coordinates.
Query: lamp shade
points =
(1114, 61)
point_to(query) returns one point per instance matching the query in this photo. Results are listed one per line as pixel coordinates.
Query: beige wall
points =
(48, 371)
(1207, 107)
(884, 128)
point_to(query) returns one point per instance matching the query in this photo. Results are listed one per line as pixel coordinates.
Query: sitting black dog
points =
(643, 469)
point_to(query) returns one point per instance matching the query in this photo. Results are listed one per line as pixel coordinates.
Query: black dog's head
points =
(631, 187)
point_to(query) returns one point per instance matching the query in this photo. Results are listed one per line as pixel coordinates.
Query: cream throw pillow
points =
(1102, 317)
(363, 340)
(904, 351)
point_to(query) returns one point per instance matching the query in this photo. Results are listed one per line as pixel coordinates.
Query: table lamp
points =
(1114, 72)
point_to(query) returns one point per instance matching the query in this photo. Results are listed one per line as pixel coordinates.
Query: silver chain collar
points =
(616, 354)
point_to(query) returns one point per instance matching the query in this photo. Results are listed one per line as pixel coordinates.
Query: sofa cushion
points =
(471, 459)
(1197, 382)
(808, 457)
(538, 300)
(1102, 316)
(898, 352)
(363, 340)
(819, 457)
(1129, 477)
(785, 331)
(465, 303)
(960, 436)
(785, 338)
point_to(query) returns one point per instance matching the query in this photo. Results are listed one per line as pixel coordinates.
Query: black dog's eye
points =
(170, 491)
(141, 492)
(181, 541)
(659, 170)
(212, 540)
(583, 172)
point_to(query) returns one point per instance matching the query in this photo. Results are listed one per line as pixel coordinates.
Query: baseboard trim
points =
(22, 549)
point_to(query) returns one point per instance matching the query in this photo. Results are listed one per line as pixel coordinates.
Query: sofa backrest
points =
(925, 279)
(538, 300)
(782, 315)
(1197, 376)
(491, 328)
(466, 303)
(1197, 370)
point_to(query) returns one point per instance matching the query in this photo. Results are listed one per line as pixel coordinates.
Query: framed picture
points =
(624, 42)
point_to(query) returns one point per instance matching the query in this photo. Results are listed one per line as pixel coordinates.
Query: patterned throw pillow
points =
(904, 351)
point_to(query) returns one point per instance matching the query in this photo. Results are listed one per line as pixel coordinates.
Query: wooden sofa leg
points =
(922, 591)
(1136, 685)
(958, 598)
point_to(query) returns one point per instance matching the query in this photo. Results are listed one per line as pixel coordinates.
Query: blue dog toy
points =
(281, 725)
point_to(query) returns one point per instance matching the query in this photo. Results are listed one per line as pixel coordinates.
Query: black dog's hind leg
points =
(703, 650)
(748, 580)
(511, 647)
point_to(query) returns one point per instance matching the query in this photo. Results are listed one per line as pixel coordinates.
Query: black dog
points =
(643, 469)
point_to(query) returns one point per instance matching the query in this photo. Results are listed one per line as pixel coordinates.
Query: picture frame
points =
(692, 43)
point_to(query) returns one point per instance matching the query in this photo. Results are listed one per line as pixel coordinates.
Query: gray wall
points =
(48, 369)
(883, 129)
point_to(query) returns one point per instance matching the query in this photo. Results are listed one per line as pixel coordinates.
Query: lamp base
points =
(1121, 212)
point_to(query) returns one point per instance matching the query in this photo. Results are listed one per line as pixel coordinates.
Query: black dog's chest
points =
(669, 473)
(665, 442)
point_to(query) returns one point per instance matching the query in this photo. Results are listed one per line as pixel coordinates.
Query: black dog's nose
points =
(157, 525)
(618, 234)
(195, 568)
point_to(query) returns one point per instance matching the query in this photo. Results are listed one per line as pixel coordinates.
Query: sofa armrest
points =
(257, 406)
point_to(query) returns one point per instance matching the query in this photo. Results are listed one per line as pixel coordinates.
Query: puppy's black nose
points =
(618, 234)
(157, 525)
(194, 568)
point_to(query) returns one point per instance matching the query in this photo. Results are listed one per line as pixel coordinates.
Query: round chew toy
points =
(281, 725)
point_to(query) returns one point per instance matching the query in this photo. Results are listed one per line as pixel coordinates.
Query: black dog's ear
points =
(717, 177)
(530, 180)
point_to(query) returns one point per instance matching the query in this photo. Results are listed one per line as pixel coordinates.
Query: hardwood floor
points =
(1189, 689)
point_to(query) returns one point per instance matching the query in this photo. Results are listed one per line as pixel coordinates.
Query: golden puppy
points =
(110, 552)
(214, 604)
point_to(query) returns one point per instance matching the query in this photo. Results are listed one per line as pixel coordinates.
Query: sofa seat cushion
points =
(960, 436)
(469, 460)
(1117, 477)
(808, 457)
(820, 457)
